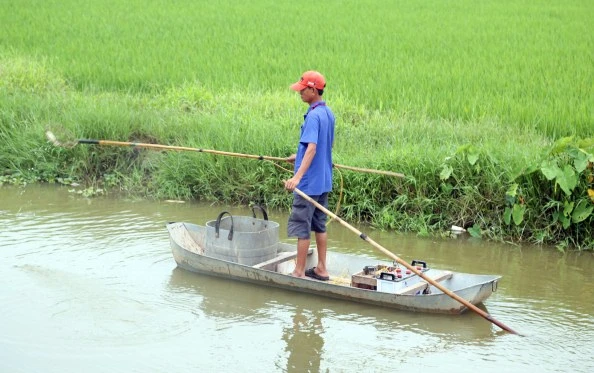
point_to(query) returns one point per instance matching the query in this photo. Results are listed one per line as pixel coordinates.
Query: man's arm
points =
(308, 157)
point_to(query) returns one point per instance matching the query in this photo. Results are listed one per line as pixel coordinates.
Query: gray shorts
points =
(306, 218)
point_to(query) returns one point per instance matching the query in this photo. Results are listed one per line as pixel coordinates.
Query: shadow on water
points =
(237, 300)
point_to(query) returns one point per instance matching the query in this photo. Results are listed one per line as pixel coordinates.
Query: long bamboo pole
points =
(410, 267)
(53, 139)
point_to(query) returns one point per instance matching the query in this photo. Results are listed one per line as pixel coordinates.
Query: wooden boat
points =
(352, 277)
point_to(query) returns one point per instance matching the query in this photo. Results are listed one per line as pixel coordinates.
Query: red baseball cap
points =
(310, 79)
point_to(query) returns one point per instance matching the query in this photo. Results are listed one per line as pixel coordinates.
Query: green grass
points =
(523, 64)
(411, 82)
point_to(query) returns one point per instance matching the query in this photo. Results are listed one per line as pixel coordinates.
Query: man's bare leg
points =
(322, 245)
(302, 249)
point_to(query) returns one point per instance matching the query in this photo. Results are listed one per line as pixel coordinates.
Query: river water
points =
(90, 285)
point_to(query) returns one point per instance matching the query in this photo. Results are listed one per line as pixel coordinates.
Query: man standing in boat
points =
(312, 175)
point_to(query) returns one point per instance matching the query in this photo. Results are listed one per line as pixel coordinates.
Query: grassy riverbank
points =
(466, 100)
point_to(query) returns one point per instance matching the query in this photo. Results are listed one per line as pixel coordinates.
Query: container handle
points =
(261, 209)
(218, 224)
(384, 276)
(415, 262)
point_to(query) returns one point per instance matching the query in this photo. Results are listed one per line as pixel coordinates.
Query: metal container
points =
(242, 239)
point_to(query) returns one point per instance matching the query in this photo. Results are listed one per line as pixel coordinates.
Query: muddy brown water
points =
(90, 285)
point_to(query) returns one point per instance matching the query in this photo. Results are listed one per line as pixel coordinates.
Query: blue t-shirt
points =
(318, 128)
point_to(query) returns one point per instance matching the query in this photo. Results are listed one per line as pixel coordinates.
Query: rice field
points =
(520, 63)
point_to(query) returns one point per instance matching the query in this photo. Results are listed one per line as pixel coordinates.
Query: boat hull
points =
(187, 241)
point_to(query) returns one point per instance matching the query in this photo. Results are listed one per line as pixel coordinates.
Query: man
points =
(312, 175)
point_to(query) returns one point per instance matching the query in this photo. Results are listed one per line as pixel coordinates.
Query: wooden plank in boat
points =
(423, 284)
(363, 281)
(283, 256)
